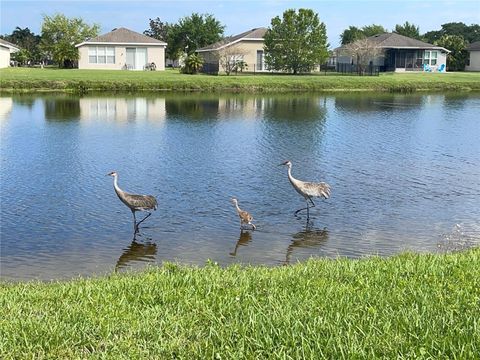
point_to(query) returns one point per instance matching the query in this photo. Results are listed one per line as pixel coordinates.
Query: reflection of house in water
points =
(6, 104)
(249, 107)
(123, 109)
(279, 107)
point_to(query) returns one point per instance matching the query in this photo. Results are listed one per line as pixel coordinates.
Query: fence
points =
(324, 69)
(355, 69)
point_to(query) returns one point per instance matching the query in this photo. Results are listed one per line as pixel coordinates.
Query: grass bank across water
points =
(407, 306)
(83, 81)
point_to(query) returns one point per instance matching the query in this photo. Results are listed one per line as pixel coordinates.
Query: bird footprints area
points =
(148, 203)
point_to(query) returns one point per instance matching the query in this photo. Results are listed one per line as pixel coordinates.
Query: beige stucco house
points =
(121, 49)
(398, 53)
(246, 47)
(473, 60)
(6, 48)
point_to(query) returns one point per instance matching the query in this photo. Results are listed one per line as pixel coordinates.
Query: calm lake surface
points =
(404, 172)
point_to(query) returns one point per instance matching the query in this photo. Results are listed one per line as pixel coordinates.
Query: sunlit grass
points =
(23, 79)
(407, 306)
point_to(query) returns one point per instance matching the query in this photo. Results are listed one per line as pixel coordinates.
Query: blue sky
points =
(241, 15)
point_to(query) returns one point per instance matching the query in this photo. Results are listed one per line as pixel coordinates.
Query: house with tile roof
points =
(121, 49)
(246, 47)
(473, 60)
(399, 53)
(6, 48)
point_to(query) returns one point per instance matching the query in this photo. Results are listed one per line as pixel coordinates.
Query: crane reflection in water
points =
(137, 251)
(309, 238)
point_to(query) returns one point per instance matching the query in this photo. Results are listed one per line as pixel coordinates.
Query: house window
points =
(259, 60)
(110, 51)
(430, 57)
(92, 54)
(101, 55)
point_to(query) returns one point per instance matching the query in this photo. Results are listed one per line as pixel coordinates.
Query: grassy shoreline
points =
(17, 80)
(406, 306)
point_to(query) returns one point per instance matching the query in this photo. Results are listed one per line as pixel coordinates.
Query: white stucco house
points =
(6, 48)
(400, 53)
(473, 60)
(121, 49)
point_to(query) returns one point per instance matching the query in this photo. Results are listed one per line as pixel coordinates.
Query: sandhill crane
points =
(245, 217)
(307, 189)
(134, 202)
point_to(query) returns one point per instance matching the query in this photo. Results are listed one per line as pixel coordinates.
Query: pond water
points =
(404, 172)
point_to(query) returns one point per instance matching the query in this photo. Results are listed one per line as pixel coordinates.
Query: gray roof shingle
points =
(475, 46)
(257, 33)
(394, 40)
(123, 35)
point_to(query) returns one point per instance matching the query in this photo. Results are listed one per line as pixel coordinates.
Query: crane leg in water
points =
(145, 218)
(307, 208)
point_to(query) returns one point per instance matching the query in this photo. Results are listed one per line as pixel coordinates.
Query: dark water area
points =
(404, 172)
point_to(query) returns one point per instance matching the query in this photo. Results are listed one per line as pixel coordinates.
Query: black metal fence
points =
(324, 69)
(355, 69)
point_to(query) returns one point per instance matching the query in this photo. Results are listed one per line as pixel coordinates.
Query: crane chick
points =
(245, 217)
(134, 202)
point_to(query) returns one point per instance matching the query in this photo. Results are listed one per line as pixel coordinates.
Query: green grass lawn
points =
(403, 307)
(28, 79)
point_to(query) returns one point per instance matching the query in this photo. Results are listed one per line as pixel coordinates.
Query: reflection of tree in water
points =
(62, 109)
(308, 238)
(24, 100)
(379, 102)
(243, 240)
(192, 108)
(137, 251)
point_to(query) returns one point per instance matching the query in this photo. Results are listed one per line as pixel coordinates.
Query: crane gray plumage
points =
(133, 201)
(307, 189)
(245, 217)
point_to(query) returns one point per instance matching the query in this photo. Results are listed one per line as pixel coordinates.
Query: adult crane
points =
(307, 189)
(133, 201)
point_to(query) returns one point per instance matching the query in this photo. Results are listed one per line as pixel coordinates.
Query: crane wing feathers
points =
(141, 201)
(245, 216)
(316, 189)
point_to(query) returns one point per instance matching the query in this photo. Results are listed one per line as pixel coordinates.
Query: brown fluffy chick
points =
(245, 217)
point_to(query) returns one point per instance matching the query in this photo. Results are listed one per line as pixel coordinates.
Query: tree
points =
(60, 34)
(469, 33)
(457, 45)
(191, 33)
(410, 30)
(22, 56)
(296, 43)
(363, 51)
(158, 29)
(374, 29)
(193, 64)
(351, 34)
(28, 42)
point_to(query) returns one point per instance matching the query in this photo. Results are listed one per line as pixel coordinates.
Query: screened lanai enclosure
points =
(409, 60)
